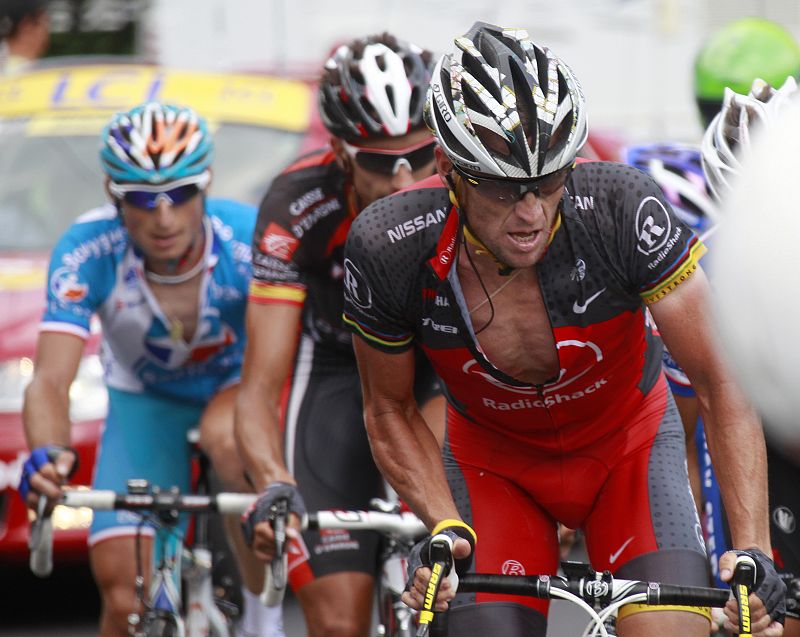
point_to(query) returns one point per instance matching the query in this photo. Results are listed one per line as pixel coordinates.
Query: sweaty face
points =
(371, 183)
(517, 231)
(166, 232)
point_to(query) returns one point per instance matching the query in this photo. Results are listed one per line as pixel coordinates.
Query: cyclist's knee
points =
(119, 602)
(334, 625)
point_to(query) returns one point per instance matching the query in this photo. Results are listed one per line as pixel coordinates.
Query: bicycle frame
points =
(171, 560)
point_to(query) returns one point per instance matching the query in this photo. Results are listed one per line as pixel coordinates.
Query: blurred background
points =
(634, 57)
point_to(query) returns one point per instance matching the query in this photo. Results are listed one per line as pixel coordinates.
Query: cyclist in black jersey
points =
(525, 279)
(371, 95)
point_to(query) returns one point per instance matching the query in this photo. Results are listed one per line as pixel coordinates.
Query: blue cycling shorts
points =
(144, 436)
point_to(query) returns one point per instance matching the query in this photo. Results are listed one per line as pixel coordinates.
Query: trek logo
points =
(355, 286)
(613, 557)
(446, 329)
(278, 242)
(784, 519)
(512, 567)
(580, 308)
(418, 223)
(653, 226)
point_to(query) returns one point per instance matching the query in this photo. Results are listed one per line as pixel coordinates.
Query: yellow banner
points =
(98, 91)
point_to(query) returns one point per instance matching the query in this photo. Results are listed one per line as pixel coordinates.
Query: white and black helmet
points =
(728, 136)
(503, 106)
(374, 87)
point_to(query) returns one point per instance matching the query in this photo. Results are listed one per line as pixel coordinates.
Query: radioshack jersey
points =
(618, 247)
(298, 246)
(95, 269)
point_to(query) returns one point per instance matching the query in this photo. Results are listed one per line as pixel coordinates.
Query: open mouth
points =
(524, 239)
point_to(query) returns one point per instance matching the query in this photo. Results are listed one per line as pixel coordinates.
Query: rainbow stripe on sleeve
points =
(369, 335)
(264, 293)
(681, 269)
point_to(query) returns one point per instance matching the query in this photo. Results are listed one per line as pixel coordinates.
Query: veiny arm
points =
(403, 446)
(734, 433)
(269, 354)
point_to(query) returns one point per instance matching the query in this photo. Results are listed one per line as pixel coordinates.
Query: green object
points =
(742, 51)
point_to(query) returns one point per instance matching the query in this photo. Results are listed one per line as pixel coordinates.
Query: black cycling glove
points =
(420, 553)
(261, 509)
(769, 586)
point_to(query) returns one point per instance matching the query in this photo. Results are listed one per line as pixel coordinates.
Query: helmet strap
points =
(503, 269)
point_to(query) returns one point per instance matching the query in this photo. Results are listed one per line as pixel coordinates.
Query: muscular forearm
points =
(409, 457)
(259, 439)
(45, 414)
(736, 444)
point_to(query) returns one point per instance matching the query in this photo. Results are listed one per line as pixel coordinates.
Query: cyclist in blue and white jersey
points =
(166, 270)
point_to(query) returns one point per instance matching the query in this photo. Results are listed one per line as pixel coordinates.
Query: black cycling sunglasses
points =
(388, 162)
(511, 191)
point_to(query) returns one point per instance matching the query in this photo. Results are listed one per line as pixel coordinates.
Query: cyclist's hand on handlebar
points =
(419, 564)
(767, 599)
(256, 525)
(45, 471)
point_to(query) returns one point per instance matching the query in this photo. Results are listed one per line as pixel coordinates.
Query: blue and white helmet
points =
(505, 107)
(155, 144)
(677, 170)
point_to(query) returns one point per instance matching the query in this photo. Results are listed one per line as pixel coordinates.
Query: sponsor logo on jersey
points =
(547, 401)
(582, 202)
(653, 226)
(96, 247)
(664, 252)
(436, 327)
(67, 287)
(304, 224)
(418, 223)
(355, 286)
(564, 378)
(580, 308)
(784, 519)
(278, 242)
(512, 567)
(300, 205)
(579, 271)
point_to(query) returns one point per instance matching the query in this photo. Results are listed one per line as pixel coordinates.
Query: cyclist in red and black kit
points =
(525, 278)
(371, 96)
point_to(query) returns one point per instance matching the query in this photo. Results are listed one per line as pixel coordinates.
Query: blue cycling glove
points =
(38, 458)
(260, 511)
